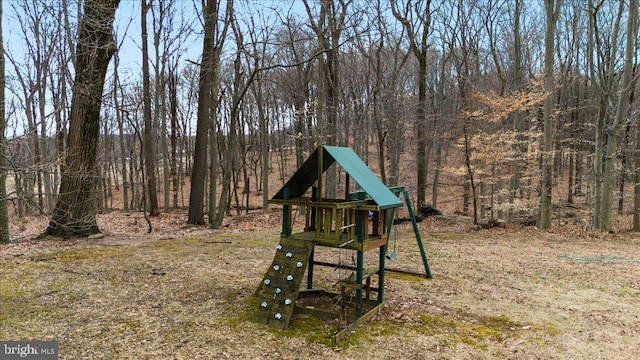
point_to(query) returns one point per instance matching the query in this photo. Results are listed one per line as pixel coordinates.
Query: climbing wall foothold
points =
(267, 281)
(276, 267)
(264, 304)
(289, 277)
(299, 264)
(278, 316)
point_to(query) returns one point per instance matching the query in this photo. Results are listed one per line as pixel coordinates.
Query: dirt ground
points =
(185, 293)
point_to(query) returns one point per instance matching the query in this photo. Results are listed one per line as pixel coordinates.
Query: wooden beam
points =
(344, 333)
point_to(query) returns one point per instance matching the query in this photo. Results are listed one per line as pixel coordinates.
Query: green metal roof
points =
(307, 174)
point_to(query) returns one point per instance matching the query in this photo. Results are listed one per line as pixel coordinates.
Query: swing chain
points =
(392, 255)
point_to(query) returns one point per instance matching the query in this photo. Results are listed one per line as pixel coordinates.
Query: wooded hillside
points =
(509, 108)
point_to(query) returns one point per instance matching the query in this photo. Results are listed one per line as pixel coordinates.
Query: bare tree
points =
(618, 124)
(4, 214)
(172, 87)
(259, 53)
(461, 40)
(465, 79)
(602, 53)
(213, 41)
(60, 82)
(518, 82)
(241, 84)
(603, 56)
(149, 128)
(161, 12)
(416, 19)
(295, 82)
(170, 30)
(385, 58)
(116, 93)
(74, 213)
(37, 23)
(328, 28)
(551, 9)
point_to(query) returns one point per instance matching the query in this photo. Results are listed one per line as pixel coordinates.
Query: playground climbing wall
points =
(279, 289)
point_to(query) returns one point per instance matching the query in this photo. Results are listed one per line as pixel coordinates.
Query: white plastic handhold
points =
(279, 247)
(289, 255)
(276, 267)
(278, 291)
(278, 316)
(264, 304)
(287, 302)
(267, 281)
(289, 277)
(299, 264)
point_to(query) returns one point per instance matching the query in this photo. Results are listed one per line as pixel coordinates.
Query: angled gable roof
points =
(307, 174)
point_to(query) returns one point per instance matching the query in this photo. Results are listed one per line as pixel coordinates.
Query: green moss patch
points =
(476, 331)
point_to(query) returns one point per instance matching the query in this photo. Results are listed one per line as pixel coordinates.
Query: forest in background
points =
(520, 105)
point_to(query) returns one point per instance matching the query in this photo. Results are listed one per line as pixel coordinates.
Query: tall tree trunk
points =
(133, 173)
(164, 146)
(469, 173)
(616, 128)
(419, 46)
(570, 181)
(207, 82)
(199, 171)
(44, 182)
(381, 130)
(214, 159)
(4, 213)
(264, 141)
(29, 178)
(436, 175)
(551, 8)
(214, 152)
(59, 96)
(122, 141)
(104, 159)
(514, 182)
(37, 165)
(321, 80)
(172, 83)
(160, 108)
(605, 74)
(149, 147)
(74, 213)
(636, 186)
(335, 23)
(623, 168)
(230, 153)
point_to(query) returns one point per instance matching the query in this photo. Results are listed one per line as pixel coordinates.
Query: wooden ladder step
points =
(366, 274)
(349, 284)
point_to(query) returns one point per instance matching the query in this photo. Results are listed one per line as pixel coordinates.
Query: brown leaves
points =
(492, 107)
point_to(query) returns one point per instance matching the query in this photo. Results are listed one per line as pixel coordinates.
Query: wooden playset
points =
(360, 222)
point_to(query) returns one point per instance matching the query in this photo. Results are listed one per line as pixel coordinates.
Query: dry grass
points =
(186, 295)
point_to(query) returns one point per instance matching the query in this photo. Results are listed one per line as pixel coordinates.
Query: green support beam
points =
(417, 232)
